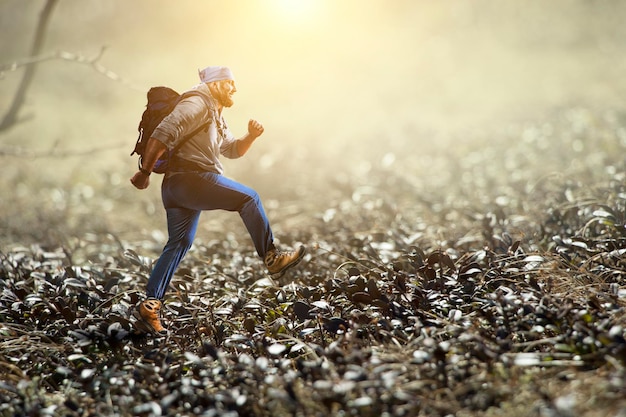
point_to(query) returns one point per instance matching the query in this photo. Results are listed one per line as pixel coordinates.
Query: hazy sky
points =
(328, 74)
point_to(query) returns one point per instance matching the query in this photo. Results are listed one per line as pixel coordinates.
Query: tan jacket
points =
(202, 151)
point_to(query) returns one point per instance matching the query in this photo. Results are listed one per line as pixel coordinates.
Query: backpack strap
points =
(199, 129)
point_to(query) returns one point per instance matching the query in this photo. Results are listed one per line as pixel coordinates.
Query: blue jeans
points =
(185, 195)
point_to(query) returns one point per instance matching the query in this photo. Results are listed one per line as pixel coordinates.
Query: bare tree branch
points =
(54, 152)
(72, 57)
(11, 117)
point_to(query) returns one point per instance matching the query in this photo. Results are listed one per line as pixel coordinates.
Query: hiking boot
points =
(147, 315)
(278, 262)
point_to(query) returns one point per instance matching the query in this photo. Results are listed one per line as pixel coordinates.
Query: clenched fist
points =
(140, 180)
(255, 128)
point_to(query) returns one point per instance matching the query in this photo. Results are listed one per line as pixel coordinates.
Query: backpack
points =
(161, 102)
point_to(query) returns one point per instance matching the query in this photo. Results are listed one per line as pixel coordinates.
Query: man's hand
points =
(255, 129)
(140, 180)
(152, 153)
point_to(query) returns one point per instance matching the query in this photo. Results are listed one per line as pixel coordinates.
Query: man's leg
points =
(209, 191)
(181, 224)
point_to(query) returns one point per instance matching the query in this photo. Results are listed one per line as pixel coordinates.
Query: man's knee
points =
(182, 241)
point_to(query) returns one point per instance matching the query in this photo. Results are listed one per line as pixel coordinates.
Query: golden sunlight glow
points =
(295, 11)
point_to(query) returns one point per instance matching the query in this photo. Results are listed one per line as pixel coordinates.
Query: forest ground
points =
(459, 280)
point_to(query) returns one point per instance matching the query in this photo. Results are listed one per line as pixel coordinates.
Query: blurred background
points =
(342, 86)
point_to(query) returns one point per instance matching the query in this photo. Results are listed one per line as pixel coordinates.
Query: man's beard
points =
(224, 99)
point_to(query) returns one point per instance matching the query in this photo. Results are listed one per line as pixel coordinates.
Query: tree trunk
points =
(10, 118)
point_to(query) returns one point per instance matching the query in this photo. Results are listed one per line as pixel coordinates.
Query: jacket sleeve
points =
(188, 115)
(229, 145)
